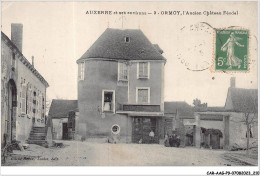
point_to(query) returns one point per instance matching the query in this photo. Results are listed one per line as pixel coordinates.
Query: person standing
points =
(151, 135)
(166, 141)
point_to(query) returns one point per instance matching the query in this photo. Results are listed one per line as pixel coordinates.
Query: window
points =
(81, 70)
(13, 62)
(23, 99)
(143, 70)
(127, 39)
(122, 72)
(115, 129)
(108, 101)
(143, 95)
(21, 81)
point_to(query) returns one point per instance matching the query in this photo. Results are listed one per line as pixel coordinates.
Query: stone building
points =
(225, 127)
(62, 114)
(23, 90)
(121, 88)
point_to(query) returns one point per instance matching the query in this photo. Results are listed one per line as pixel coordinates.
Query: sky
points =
(59, 33)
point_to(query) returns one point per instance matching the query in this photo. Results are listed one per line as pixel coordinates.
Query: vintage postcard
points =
(130, 84)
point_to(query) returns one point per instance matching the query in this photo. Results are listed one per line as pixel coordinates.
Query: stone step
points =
(39, 129)
(34, 135)
(37, 137)
(39, 142)
(38, 133)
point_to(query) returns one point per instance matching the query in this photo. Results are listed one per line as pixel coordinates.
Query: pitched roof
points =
(14, 48)
(112, 45)
(244, 100)
(184, 109)
(158, 48)
(61, 108)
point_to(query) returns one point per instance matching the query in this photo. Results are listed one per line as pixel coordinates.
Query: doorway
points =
(65, 131)
(141, 128)
(214, 141)
(11, 108)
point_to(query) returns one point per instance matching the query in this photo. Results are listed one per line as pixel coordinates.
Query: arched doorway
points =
(11, 115)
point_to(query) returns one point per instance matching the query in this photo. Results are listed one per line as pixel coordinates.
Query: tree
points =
(249, 108)
(249, 118)
(197, 104)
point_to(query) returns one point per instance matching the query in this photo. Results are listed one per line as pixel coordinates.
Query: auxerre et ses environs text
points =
(165, 12)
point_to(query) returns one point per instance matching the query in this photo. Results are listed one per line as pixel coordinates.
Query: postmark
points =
(231, 50)
(194, 46)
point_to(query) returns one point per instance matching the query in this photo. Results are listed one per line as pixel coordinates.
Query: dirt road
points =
(103, 154)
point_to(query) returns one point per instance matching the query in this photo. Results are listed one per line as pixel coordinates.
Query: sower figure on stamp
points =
(229, 46)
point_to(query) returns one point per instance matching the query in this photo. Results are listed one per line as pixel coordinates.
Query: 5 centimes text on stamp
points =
(231, 50)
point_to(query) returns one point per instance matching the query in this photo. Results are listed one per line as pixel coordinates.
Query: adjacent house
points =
(226, 127)
(121, 88)
(62, 115)
(23, 90)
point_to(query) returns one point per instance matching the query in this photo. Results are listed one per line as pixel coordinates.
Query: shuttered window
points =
(81, 70)
(23, 99)
(122, 72)
(143, 69)
(40, 105)
(143, 95)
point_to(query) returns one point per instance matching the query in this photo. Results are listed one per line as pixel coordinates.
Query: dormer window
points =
(127, 39)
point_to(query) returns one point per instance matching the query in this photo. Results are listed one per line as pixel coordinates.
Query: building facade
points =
(121, 88)
(23, 90)
(63, 114)
(227, 127)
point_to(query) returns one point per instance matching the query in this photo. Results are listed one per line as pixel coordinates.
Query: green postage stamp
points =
(231, 50)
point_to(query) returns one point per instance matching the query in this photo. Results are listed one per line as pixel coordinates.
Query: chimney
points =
(17, 35)
(232, 82)
(33, 61)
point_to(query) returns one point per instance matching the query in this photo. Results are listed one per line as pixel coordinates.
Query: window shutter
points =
(23, 98)
(142, 96)
(125, 73)
(39, 105)
(81, 70)
(121, 71)
(141, 69)
(145, 71)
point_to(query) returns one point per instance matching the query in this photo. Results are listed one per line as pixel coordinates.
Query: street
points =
(76, 153)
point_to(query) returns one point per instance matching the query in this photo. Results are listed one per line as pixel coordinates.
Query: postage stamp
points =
(231, 50)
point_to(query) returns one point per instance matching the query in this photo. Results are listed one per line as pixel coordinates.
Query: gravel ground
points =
(103, 154)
